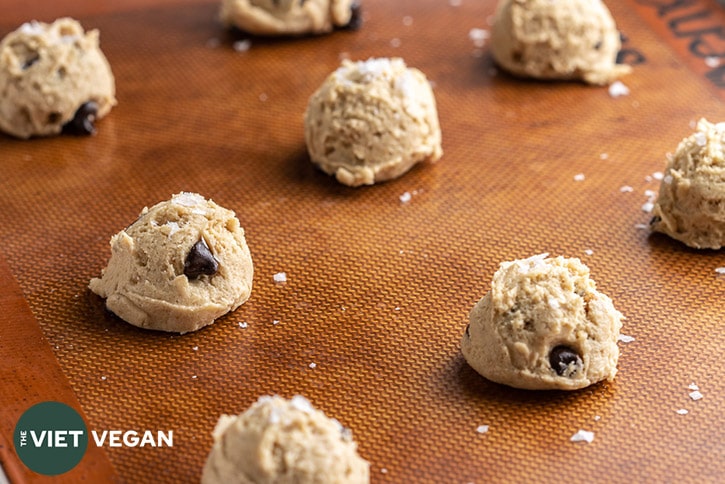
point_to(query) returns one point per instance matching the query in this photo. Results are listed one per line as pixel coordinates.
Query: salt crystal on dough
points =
(280, 277)
(301, 403)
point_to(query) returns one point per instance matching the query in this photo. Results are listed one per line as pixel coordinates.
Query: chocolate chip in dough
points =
(200, 261)
(83, 120)
(355, 17)
(468, 331)
(561, 357)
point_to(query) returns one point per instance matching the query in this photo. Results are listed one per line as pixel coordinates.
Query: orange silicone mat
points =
(378, 291)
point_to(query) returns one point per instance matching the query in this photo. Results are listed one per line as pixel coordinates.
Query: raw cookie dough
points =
(691, 202)
(371, 121)
(562, 39)
(180, 266)
(283, 441)
(289, 17)
(53, 76)
(543, 325)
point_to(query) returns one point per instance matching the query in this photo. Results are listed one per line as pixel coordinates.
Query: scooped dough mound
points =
(691, 202)
(181, 265)
(562, 39)
(53, 76)
(371, 121)
(283, 442)
(289, 17)
(543, 325)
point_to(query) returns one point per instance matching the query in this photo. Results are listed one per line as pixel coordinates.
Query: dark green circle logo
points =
(51, 438)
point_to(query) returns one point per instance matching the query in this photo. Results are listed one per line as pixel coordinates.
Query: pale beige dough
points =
(691, 202)
(47, 71)
(146, 281)
(536, 307)
(562, 39)
(283, 442)
(287, 17)
(371, 121)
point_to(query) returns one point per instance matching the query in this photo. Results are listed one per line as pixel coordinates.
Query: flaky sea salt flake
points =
(280, 277)
(626, 189)
(482, 429)
(583, 436)
(720, 270)
(617, 89)
(696, 395)
(712, 62)
(301, 403)
(648, 206)
(579, 177)
(625, 338)
(242, 45)
(692, 386)
(479, 36)
(682, 411)
(405, 197)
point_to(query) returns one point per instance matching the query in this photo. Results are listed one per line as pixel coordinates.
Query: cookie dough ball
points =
(290, 17)
(372, 121)
(562, 39)
(53, 77)
(691, 202)
(543, 325)
(177, 268)
(283, 441)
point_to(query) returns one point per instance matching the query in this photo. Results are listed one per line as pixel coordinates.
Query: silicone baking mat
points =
(378, 289)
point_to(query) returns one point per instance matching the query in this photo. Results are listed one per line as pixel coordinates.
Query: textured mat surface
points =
(378, 291)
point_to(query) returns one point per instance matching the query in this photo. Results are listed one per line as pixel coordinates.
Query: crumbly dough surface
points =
(153, 279)
(286, 17)
(562, 39)
(371, 121)
(283, 442)
(47, 71)
(691, 202)
(539, 311)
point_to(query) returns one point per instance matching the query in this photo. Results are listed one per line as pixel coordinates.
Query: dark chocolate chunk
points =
(561, 357)
(355, 17)
(655, 219)
(468, 331)
(83, 120)
(30, 60)
(200, 261)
